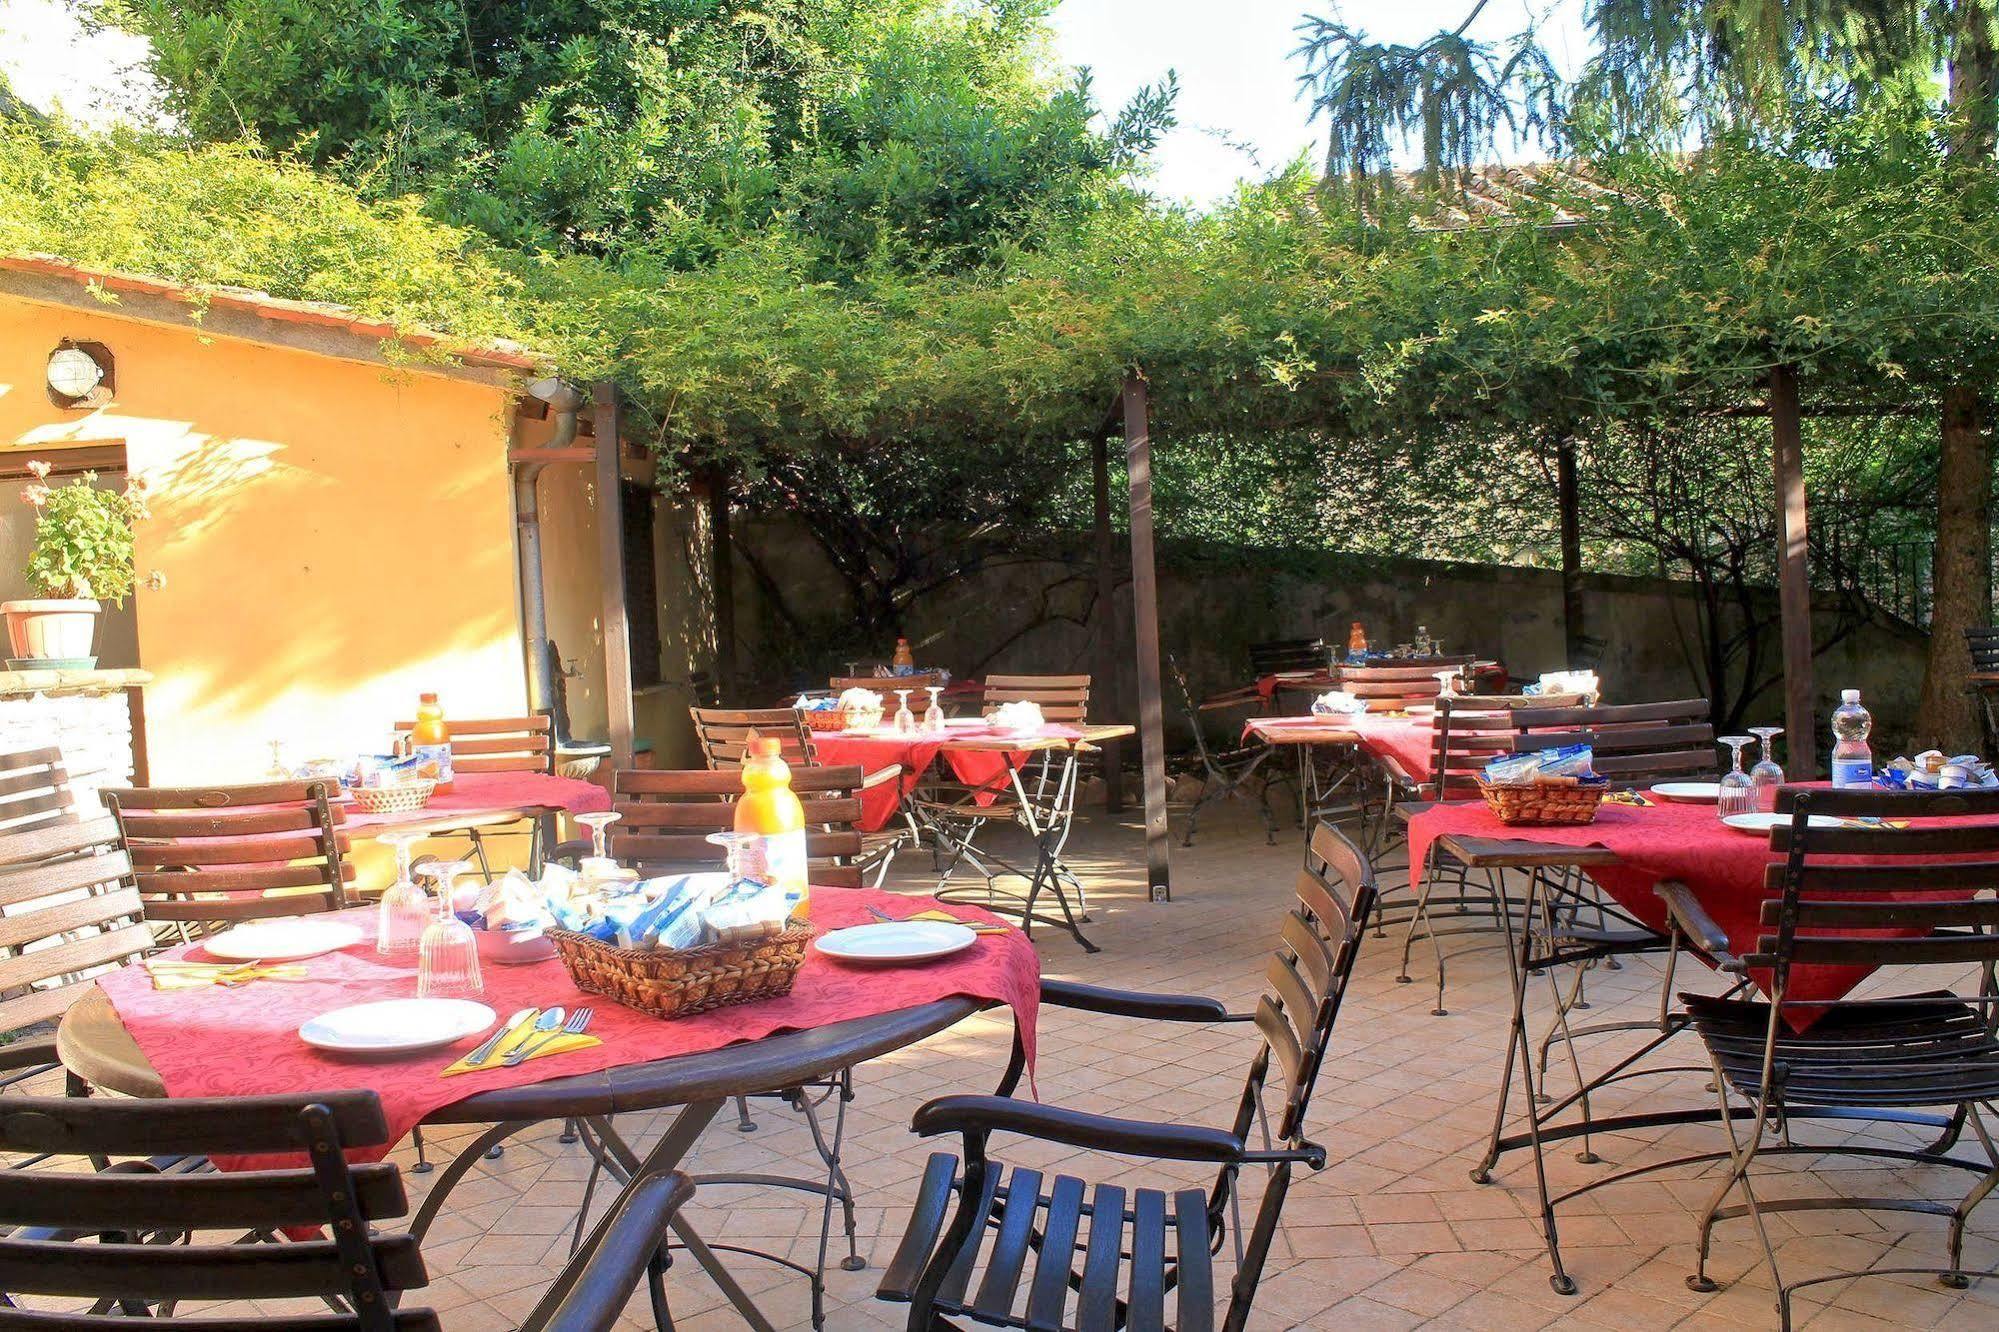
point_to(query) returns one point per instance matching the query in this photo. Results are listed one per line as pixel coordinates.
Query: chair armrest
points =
(29, 1052)
(980, 1115)
(1134, 1003)
(880, 775)
(1687, 915)
(600, 1281)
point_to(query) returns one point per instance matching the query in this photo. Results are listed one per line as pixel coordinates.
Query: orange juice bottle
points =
(1356, 640)
(904, 661)
(430, 742)
(771, 812)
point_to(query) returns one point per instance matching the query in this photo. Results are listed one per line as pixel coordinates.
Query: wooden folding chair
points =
(211, 857)
(725, 734)
(34, 789)
(132, 1241)
(498, 744)
(1059, 1252)
(1393, 686)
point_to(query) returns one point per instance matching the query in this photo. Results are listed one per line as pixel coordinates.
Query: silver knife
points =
(492, 1043)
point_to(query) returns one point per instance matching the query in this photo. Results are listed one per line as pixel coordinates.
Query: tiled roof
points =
(497, 354)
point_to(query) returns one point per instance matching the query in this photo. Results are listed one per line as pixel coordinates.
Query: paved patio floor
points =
(1392, 1235)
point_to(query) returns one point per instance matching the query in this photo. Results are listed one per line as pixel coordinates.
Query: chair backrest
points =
(1632, 743)
(1064, 699)
(496, 744)
(1922, 897)
(1391, 686)
(886, 685)
(121, 1214)
(1308, 977)
(665, 816)
(221, 854)
(1464, 739)
(34, 789)
(1289, 654)
(71, 913)
(725, 734)
(1983, 645)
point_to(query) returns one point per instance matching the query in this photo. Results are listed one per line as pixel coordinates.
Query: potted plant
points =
(83, 555)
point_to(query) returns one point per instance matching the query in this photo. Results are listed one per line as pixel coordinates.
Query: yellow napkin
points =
(171, 975)
(975, 926)
(562, 1043)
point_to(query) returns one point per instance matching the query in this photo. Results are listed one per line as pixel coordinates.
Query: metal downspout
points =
(565, 402)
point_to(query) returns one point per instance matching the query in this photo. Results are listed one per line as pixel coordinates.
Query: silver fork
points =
(578, 1022)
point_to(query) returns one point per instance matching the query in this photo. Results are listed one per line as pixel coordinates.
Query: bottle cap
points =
(426, 698)
(768, 748)
(1849, 695)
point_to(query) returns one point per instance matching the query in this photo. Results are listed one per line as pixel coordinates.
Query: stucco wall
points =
(335, 536)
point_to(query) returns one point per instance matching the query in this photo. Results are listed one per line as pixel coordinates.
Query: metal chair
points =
(1225, 772)
(1982, 644)
(665, 819)
(135, 1242)
(1922, 899)
(206, 857)
(1126, 1253)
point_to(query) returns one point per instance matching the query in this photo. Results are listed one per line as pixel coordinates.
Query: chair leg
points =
(423, 1164)
(479, 854)
(744, 1124)
(662, 1317)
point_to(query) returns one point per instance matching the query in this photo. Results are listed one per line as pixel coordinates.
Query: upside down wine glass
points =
(905, 720)
(1767, 774)
(1738, 792)
(404, 911)
(596, 823)
(933, 716)
(448, 954)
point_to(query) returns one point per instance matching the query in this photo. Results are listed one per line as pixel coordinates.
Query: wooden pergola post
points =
(611, 575)
(1145, 624)
(1107, 654)
(722, 583)
(1568, 503)
(1794, 589)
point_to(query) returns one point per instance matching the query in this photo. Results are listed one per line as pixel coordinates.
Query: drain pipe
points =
(564, 401)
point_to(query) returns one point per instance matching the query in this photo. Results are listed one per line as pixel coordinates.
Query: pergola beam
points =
(1145, 625)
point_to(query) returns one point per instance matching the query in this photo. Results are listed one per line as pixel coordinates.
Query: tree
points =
(1668, 72)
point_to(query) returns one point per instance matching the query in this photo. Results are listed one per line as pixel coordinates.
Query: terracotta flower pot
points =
(51, 627)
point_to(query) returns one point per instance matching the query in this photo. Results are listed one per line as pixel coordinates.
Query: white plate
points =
(396, 1026)
(288, 939)
(1689, 793)
(900, 941)
(1763, 823)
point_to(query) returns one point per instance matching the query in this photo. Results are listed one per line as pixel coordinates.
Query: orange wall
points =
(335, 536)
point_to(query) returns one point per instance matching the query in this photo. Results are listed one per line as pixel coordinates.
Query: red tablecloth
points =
(1268, 685)
(1405, 742)
(475, 793)
(242, 1042)
(982, 769)
(1685, 842)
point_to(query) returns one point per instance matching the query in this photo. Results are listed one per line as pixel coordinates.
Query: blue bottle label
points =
(1852, 772)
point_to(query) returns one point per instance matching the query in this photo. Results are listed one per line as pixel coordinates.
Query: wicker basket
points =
(1543, 803)
(682, 982)
(824, 719)
(860, 719)
(402, 798)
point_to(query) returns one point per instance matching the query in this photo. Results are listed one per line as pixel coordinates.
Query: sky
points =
(1239, 112)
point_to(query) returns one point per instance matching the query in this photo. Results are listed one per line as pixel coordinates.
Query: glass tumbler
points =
(1738, 792)
(404, 911)
(448, 953)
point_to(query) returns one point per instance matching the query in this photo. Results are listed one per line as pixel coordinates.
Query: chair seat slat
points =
(1194, 1265)
(1055, 1261)
(1097, 1299)
(1009, 1255)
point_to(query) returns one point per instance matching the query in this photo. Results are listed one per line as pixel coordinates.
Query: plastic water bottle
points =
(1852, 760)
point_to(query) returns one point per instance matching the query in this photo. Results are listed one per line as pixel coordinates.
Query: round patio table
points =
(92, 1043)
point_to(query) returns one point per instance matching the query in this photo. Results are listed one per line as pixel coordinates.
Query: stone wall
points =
(1035, 617)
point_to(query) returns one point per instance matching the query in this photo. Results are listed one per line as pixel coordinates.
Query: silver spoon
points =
(492, 1043)
(545, 1027)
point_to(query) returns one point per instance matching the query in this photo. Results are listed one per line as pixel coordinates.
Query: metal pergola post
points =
(1145, 625)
